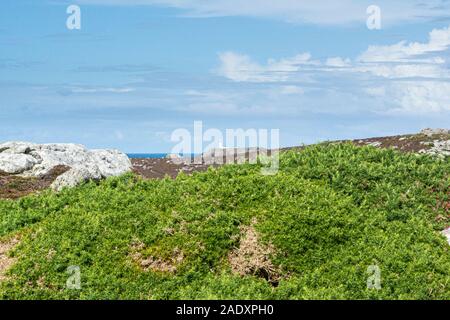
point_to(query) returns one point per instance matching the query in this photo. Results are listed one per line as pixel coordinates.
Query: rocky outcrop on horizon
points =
(437, 131)
(434, 142)
(78, 164)
(37, 160)
(223, 156)
(437, 147)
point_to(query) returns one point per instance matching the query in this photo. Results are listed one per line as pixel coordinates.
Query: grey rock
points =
(110, 162)
(75, 176)
(374, 144)
(16, 163)
(177, 159)
(430, 132)
(36, 160)
(51, 155)
(440, 149)
(16, 147)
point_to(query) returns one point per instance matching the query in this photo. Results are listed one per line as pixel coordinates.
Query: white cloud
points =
(292, 90)
(322, 12)
(408, 60)
(239, 67)
(439, 40)
(338, 62)
(421, 97)
(231, 109)
(100, 90)
(402, 60)
(406, 77)
(393, 71)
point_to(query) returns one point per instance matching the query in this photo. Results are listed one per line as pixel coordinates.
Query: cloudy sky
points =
(140, 69)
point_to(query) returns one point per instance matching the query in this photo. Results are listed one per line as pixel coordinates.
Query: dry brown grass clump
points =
(5, 260)
(252, 257)
(153, 263)
(15, 186)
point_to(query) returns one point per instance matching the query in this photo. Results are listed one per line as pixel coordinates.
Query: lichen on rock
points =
(37, 160)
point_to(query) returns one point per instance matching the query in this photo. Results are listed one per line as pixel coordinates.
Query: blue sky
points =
(139, 69)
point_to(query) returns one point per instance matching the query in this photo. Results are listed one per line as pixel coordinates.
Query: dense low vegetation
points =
(330, 213)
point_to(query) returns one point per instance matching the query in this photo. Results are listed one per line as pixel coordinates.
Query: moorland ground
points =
(312, 231)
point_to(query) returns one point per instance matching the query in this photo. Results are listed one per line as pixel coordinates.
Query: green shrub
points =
(330, 212)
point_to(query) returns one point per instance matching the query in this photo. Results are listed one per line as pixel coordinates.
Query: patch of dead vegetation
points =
(252, 257)
(405, 143)
(411, 143)
(153, 263)
(5, 260)
(160, 168)
(15, 186)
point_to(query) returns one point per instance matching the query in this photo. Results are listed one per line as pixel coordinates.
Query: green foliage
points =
(330, 212)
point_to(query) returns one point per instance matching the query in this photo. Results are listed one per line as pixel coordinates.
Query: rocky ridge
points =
(27, 167)
(37, 160)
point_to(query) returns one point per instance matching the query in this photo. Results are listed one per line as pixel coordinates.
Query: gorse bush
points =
(330, 213)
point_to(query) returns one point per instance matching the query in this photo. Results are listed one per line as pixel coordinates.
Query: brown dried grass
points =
(5, 260)
(153, 263)
(253, 257)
